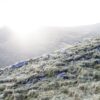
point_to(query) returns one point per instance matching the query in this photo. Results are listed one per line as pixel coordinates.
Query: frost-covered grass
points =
(66, 74)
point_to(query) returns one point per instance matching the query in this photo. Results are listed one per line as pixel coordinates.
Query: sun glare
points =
(23, 17)
(26, 40)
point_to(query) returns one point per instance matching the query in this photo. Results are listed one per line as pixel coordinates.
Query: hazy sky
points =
(24, 16)
(20, 20)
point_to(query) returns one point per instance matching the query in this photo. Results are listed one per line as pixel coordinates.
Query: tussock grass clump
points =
(97, 75)
(64, 89)
(97, 89)
(2, 88)
(51, 72)
(32, 94)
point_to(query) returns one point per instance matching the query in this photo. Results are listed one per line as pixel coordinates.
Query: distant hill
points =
(66, 74)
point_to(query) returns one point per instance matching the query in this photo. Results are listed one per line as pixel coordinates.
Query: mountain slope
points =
(13, 48)
(66, 74)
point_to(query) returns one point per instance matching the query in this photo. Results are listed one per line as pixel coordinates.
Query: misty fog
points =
(43, 41)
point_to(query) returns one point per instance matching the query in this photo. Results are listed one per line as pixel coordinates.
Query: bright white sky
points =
(25, 16)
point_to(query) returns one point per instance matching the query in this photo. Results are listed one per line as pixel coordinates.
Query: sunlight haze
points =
(25, 16)
(30, 28)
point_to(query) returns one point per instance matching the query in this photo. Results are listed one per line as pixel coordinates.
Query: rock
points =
(20, 64)
(62, 75)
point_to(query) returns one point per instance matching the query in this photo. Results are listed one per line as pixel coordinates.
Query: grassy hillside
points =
(66, 74)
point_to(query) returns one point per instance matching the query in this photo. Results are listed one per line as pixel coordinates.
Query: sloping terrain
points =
(13, 48)
(66, 74)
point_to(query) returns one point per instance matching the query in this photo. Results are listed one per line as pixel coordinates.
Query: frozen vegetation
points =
(66, 74)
